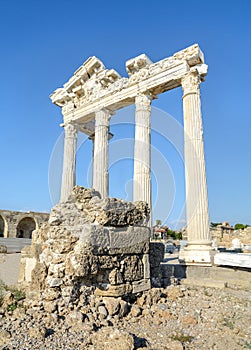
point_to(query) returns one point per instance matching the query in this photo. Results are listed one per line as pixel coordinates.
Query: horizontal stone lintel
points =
(141, 286)
(114, 291)
(111, 240)
(165, 80)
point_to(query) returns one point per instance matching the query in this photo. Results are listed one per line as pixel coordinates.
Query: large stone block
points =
(95, 236)
(124, 240)
(156, 254)
(141, 286)
(133, 268)
(114, 291)
(235, 260)
(146, 265)
(129, 240)
(202, 257)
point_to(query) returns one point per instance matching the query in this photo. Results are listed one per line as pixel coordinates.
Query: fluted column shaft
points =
(142, 151)
(100, 161)
(92, 138)
(69, 165)
(195, 172)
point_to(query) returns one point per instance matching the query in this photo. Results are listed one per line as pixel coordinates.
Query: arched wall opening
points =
(25, 227)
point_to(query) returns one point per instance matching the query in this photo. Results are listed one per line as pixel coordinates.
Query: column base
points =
(197, 254)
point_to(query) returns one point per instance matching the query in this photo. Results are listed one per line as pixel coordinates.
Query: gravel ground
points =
(175, 318)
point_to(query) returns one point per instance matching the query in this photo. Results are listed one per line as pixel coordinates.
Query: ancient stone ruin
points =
(93, 95)
(93, 243)
(17, 224)
(89, 245)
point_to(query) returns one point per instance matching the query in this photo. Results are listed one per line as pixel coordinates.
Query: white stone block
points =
(146, 265)
(233, 259)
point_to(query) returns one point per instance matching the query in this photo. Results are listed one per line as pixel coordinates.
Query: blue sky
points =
(44, 42)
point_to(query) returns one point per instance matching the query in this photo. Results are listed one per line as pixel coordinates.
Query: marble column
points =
(199, 249)
(92, 138)
(69, 165)
(100, 161)
(142, 151)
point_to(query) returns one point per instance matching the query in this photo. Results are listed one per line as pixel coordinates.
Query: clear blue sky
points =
(44, 42)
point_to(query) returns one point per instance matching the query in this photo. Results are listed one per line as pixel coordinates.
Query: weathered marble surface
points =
(233, 259)
(93, 87)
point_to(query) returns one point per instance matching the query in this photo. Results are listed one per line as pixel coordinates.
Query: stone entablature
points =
(93, 87)
(11, 222)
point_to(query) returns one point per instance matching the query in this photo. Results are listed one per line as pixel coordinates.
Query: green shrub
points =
(239, 227)
(174, 234)
(183, 338)
(17, 294)
(12, 307)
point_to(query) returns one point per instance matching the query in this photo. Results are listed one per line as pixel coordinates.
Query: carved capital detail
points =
(143, 108)
(70, 131)
(143, 101)
(191, 83)
(102, 117)
(192, 54)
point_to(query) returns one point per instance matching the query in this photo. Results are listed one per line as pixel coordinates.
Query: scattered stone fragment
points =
(196, 318)
(112, 339)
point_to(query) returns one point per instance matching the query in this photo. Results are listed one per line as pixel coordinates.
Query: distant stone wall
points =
(16, 224)
(224, 237)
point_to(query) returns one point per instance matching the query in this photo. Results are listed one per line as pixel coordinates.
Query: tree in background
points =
(240, 226)
(174, 234)
(158, 222)
(215, 224)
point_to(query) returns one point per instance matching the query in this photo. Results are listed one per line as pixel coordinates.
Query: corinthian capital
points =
(191, 81)
(143, 101)
(70, 130)
(102, 117)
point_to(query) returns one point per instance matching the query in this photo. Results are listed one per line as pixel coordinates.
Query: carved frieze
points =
(92, 84)
(68, 107)
(135, 64)
(192, 54)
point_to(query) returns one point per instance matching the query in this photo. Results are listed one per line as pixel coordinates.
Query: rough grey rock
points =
(3, 249)
(88, 242)
(107, 339)
(85, 206)
(177, 318)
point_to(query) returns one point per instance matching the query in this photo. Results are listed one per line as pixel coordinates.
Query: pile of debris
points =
(89, 246)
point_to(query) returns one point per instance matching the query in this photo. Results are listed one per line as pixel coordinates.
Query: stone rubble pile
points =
(89, 245)
(175, 318)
